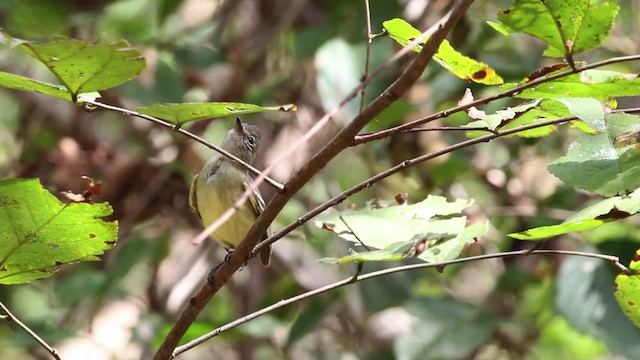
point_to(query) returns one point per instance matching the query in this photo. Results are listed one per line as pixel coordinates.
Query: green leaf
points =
(452, 248)
(83, 67)
(567, 26)
(18, 82)
(462, 66)
(546, 110)
(628, 291)
(180, 114)
(595, 164)
(525, 114)
(598, 84)
(584, 297)
(431, 230)
(589, 110)
(445, 328)
(39, 233)
(612, 209)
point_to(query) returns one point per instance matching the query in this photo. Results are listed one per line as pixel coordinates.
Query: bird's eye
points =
(251, 140)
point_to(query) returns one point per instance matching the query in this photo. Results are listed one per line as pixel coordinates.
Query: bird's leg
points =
(227, 257)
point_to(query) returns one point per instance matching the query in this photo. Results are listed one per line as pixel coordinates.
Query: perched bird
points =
(222, 181)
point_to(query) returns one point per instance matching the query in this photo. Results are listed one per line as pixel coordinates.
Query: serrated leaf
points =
(598, 84)
(462, 66)
(84, 67)
(567, 26)
(39, 233)
(183, 113)
(18, 82)
(608, 210)
(628, 291)
(595, 164)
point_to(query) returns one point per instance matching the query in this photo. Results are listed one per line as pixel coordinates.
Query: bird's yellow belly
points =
(212, 205)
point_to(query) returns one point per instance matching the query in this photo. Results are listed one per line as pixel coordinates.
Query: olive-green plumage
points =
(222, 181)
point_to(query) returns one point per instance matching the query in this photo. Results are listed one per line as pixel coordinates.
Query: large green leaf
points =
(432, 230)
(39, 233)
(612, 209)
(462, 66)
(599, 84)
(628, 290)
(595, 163)
(567, 26)
(84, 67)
(180, 114)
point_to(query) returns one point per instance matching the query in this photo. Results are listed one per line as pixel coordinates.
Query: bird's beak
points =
(239, 128)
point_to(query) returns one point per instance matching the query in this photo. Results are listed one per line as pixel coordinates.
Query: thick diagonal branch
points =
(317, 162)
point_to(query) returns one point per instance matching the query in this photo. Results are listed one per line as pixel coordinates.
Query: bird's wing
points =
(193, 200)
(257, 203)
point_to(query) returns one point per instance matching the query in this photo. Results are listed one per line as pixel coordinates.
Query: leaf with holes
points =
(567, 26)
(462, 66)
(38, 233)
(84, 67)
(628, 290)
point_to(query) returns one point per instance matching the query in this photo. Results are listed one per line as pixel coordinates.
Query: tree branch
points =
(408, 163)
(442, 114)
(439, 265)
(31, 333)
(317, 162)
(193, 136)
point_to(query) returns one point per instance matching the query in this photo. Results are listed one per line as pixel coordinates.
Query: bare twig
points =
(442, 114)
(367, 60)
(179, 350)
(317, 162)
(31, 333)
(193, 136)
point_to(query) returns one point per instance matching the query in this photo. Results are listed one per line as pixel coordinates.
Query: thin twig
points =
(363, 138)
(31, 333)
(174, 127)
(317, 162)
(405, 164)
(367, 59)
(440, 265)
(448, 128)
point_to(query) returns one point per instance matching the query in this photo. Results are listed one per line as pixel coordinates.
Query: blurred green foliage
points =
(311, 54)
